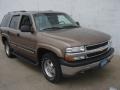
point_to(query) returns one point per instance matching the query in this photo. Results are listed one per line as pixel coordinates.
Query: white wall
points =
(103, 15)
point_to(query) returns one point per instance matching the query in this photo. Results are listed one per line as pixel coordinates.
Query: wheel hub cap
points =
(49, 68)
(7, 49)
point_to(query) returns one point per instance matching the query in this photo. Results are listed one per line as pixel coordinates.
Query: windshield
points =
(51, 21)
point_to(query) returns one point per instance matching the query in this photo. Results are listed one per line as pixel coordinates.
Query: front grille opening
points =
(96, 46)
(96, 58)
(97, 53)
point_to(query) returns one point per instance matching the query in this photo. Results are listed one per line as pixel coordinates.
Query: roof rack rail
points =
(17, 11)
(49, 10)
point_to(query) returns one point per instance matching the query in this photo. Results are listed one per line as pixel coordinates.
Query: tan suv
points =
(54, 40)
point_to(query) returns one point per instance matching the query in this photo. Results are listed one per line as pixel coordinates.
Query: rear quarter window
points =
(5, 21)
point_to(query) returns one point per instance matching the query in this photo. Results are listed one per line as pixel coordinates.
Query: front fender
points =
(54, 49)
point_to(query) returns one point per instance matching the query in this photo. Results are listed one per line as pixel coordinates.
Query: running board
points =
(27, 60)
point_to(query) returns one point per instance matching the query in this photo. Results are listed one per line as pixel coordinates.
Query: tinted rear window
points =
(14, 22)
(5, 21)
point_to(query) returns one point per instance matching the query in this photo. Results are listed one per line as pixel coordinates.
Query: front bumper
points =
(70, 68)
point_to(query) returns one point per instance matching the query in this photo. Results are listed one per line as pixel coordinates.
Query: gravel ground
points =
(18, 75)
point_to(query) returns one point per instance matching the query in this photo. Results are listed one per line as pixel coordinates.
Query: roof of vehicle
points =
(32, 12)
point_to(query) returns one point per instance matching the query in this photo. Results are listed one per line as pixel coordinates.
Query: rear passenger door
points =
(13, 31)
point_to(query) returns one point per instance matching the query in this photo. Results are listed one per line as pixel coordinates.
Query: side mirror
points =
(78, 23)
(25, 28)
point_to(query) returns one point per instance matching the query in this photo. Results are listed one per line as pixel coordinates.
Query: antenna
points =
(71, 8)
(38, 5)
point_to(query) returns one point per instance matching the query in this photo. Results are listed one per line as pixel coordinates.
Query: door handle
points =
(18, 34)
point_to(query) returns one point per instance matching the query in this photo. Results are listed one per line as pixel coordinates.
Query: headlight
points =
(71, 55)
(75, 49)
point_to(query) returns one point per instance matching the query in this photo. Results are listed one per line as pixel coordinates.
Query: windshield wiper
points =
(52, 28)
(70, 26)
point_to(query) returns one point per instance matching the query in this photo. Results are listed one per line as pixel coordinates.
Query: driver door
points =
(27, 40)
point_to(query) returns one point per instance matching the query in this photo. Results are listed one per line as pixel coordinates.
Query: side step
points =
(25, 59)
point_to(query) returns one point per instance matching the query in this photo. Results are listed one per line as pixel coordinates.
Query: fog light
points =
(79, 58)
(82, 57)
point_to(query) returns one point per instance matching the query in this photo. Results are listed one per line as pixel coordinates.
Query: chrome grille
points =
(97, 49)
(91, 47)
(97, 53)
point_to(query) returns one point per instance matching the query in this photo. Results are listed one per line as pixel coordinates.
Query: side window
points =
(25, 21)
(14, 22)
(5, 21)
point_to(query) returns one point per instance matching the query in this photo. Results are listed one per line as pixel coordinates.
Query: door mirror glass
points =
(25, 28)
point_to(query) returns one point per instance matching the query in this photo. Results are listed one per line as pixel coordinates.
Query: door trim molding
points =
(24, 48)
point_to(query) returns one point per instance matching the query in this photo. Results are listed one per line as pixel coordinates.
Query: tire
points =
(51, 67)
(8, 50)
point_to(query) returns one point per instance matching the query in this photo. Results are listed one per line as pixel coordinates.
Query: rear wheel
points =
(8, 50)
(51, 68)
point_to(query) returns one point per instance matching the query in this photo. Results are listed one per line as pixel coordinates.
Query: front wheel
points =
(51, 68)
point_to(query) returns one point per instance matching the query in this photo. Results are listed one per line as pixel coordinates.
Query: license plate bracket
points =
(103, 62)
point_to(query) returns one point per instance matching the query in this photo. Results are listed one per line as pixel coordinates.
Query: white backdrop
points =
(102, 15)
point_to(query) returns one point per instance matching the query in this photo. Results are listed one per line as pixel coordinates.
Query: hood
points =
(78, 36)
